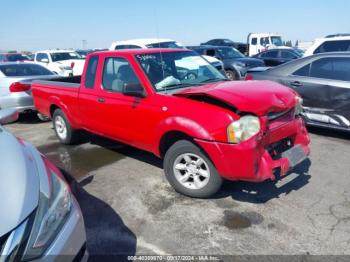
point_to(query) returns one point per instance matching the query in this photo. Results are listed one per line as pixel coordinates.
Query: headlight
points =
(298, 105)
(243, 129)
(49, 218)
(239, 64)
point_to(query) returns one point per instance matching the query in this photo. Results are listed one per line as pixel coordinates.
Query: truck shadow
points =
(238, 190)
(29, 118)
(108, 238)
(259, 193)
(127, 150)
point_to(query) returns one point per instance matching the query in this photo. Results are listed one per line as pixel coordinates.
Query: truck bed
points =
(72, 81)
(61, 91)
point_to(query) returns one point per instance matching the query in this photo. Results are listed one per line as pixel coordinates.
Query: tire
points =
(63, 129)
(42, 117)
(231, 74)
(200, 180)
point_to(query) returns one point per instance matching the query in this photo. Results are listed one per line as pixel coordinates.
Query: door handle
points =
(296, 83)
(101, 100)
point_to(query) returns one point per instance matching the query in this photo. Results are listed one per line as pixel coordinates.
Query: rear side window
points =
(15, 57)
(24, 70)
(331, 68)
(333, 46)
(288, 55)
(254, 41)
(117, 72)
(271, 54)
(91, 72)
(304, 71)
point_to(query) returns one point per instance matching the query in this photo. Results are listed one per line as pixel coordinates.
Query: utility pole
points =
(84, 44)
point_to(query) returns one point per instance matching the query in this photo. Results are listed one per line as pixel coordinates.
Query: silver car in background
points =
(39, 218)
(15, 79)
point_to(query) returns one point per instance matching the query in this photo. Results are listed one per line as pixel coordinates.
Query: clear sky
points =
(41, 24)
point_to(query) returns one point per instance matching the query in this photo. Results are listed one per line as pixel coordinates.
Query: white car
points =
(145, 43)
(61, 62)
(332, 43)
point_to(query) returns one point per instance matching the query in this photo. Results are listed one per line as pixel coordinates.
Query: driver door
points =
(122, 117)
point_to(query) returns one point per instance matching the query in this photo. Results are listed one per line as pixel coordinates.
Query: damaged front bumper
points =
(280, 148)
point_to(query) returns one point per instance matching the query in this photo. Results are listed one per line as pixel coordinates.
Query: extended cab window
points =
(91, 72)
(254, 41)
(117, 72)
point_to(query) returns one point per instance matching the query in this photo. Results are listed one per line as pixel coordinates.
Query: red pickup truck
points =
(172, 103)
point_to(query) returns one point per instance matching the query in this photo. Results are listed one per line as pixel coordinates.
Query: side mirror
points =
(8, 115)
(134, 89)
(44, 60)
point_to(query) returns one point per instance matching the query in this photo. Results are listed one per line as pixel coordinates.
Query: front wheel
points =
(190, 171)
(231, 74)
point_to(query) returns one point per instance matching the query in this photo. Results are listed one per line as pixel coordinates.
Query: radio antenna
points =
(157, 34)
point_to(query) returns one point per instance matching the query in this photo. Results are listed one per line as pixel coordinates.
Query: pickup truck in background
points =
(61, 62)
(173, 103)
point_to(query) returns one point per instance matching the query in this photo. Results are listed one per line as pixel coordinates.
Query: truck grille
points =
(277, 119)
(277, 115)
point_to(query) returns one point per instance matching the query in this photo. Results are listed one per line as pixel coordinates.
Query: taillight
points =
(72, 65)
(249, 77)
(19, 87)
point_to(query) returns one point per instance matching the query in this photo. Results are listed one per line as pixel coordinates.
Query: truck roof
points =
(143, 41)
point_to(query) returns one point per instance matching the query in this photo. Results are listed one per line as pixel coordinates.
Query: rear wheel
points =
(63, 129)
(190, 171)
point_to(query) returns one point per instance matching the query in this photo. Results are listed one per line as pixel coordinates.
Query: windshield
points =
(229, 53)
(165, 45)
(174, 70)
(64, 56)
(299, 51)
(276, 40)
(16, 57)
(24, 70)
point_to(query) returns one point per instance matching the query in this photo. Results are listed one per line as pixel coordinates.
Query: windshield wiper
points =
(214, 80)
(175, 86)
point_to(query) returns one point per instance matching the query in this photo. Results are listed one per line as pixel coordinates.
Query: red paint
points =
(143, 122)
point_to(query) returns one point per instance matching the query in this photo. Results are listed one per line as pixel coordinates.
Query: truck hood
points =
(19, 182)
(257, 97)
